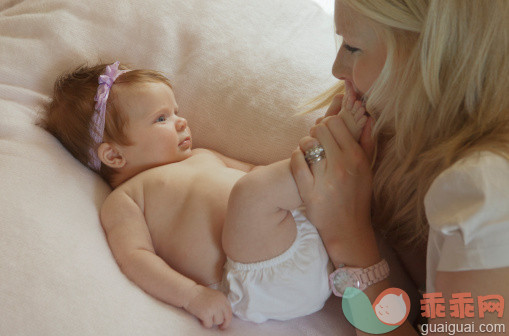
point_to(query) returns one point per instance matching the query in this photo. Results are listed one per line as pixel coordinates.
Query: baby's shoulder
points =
(128, 194)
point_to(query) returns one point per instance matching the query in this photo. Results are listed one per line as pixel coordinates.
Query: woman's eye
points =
(350, 48)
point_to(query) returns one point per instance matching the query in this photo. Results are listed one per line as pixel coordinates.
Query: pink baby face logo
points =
(392, 306)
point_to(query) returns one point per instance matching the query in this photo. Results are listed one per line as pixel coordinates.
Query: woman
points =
(433, 76)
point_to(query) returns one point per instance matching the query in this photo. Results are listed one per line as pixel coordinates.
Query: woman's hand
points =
(340, 184)
(334, 108)
(339, 101)
(337, 191)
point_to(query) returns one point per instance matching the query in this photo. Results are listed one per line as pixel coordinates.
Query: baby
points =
(191, 227)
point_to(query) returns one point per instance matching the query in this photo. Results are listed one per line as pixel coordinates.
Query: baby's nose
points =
(181, 124)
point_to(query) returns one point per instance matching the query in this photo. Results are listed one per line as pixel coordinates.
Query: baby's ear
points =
(110, 155)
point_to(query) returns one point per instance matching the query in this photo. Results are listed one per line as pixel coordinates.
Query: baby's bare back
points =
(184, 205)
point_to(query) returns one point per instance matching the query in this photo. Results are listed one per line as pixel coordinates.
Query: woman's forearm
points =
(355, 248)
(361, 251)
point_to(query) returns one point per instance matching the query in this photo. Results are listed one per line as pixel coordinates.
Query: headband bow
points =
(106, 80)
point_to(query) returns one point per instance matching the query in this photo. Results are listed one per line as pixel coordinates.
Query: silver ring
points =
(314, 154)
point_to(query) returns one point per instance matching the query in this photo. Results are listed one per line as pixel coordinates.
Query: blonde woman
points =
(433, 75)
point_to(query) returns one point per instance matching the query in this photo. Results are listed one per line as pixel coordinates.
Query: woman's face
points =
(362, 55)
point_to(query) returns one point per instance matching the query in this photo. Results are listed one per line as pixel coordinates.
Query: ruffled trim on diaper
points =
(301, 221)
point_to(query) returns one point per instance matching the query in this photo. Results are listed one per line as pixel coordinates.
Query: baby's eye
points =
(161, 119)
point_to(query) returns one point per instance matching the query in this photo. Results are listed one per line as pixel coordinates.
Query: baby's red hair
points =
(70, 111)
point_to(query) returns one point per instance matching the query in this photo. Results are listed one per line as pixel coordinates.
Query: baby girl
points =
(191, 227)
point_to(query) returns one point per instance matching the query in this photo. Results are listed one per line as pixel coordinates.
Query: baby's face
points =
(158, 134)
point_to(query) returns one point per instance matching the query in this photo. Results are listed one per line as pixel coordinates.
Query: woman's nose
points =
(180, 124)
(339, 70)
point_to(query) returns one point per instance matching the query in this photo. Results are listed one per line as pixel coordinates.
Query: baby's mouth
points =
(186, 142)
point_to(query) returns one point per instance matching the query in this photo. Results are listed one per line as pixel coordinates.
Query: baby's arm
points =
(131, 244)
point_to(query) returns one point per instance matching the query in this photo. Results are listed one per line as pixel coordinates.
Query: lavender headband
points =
(106, 80)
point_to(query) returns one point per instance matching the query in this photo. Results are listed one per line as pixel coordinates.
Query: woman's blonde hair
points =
(441, 96)
(69, 114)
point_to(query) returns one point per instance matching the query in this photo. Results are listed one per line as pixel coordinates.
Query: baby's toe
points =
(358, 111)
(362, 121)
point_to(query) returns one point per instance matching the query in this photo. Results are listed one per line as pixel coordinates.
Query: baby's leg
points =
(353, 113)
(259, 225)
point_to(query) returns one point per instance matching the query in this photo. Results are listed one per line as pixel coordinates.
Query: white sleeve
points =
(468, 207)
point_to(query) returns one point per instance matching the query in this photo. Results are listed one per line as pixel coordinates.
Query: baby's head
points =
(133, 127)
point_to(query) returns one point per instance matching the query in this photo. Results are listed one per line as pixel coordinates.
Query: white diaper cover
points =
(290, 285)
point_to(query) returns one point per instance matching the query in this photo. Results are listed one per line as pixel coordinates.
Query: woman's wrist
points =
(357, 248)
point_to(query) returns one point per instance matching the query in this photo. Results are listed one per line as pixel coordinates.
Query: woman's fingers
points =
(334, 108)
(307, 142)
(335, 105)
(326, 138)
(341, 149)
(355, 159)
(340, 132)
(301, 174)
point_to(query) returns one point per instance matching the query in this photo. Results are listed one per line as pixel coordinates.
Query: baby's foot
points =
(353, 113)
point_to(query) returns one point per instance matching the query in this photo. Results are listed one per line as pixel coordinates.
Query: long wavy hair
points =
(441, 96)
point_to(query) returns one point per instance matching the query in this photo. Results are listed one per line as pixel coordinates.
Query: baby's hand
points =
(211, 307)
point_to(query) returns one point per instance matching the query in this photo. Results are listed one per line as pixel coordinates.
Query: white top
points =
(467, 207)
